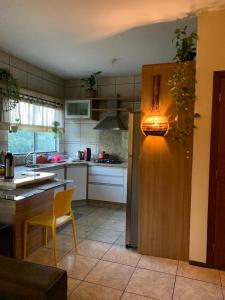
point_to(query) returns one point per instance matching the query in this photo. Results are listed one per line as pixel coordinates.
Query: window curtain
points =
(35, 115)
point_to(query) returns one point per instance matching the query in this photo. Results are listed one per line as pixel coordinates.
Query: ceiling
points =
(73, 38)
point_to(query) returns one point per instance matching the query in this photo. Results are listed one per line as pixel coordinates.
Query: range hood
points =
(111, 121)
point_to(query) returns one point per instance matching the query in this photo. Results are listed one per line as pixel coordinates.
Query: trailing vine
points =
(182, 84)
(9, 90)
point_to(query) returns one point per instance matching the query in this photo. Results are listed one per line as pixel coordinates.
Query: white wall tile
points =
(52, 78)
(124, 79)
(106, 80)
(71, 148)
(34, 83)
(18, 63)
(72, 92)
(106, 91)
(20, 75)
(137, 90)
(73, 132)
(34, 70)
(125, 90)
(137, 78)
(4, 57)
(52, 89)
(88, 134)
(4, 66)
(72, 83)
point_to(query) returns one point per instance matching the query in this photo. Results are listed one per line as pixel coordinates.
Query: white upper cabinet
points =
(77, 109)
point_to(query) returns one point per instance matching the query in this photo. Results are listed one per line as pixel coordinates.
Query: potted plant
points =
(56, 129)
(89, 83)
(14, 128)
(10, 93)
(182, 84)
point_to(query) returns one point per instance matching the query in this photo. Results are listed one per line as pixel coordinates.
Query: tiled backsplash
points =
(80, 133)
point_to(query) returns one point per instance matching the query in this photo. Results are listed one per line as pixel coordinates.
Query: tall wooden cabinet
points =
(165, 172)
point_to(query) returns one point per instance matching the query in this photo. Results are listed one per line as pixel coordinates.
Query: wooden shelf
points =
(110, 109)
(128, 99)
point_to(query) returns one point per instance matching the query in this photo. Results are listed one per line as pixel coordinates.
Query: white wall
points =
(210, 58)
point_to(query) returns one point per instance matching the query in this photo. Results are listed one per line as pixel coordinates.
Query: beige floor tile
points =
(44, 256)
(77, 266)
(158, 264)
(89, 291)
(82, 231)
(91, 220)
(122, 255)
(104, 235)
(222, 276)
(117, 225)
(72, 284)
(93, 248)
(64, 242)
(194, 272)
(151, 284)
(86, 210)
(189, 289)
(121, 240)
(129, 296)
(110, 274)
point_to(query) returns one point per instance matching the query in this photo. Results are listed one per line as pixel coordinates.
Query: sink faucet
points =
(28, 159)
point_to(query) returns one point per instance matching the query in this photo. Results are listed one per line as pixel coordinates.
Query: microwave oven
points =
(77, 109)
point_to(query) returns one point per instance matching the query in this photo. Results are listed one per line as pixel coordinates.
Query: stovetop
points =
(107, 161)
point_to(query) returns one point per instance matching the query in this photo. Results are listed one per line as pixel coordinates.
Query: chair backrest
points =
(62, 203)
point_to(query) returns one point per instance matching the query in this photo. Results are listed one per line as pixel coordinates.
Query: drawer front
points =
(105, 192)
(96, 170)
(106, 179)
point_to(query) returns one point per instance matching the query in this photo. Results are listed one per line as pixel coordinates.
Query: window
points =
(23, 142)
(35, 114)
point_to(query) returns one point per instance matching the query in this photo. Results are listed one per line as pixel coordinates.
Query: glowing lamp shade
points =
(155, 124)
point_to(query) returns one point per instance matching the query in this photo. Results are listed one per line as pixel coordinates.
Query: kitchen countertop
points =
(29, 191)
(68, 163)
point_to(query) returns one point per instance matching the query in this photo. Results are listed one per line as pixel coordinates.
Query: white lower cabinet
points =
(107, 184)
(79, 176)
(104, 192)
(60, 174)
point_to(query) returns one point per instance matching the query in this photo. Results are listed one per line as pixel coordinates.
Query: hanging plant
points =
(89, 83)
(182, 83)
(9, 90)
(56, 129)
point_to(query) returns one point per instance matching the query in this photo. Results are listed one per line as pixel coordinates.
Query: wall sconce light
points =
(155, 123)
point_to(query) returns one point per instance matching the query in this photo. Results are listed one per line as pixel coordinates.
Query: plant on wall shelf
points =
(89, 84)
(182, 84)
(56, 129)
(9, 90)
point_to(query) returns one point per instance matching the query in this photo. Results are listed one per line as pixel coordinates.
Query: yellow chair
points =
(62, 213)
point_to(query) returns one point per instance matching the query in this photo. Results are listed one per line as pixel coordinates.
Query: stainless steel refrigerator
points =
(134, 139)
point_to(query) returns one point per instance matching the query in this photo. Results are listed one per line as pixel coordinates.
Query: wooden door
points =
(216, 211)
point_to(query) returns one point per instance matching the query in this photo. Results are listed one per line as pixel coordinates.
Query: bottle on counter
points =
(9, 166)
